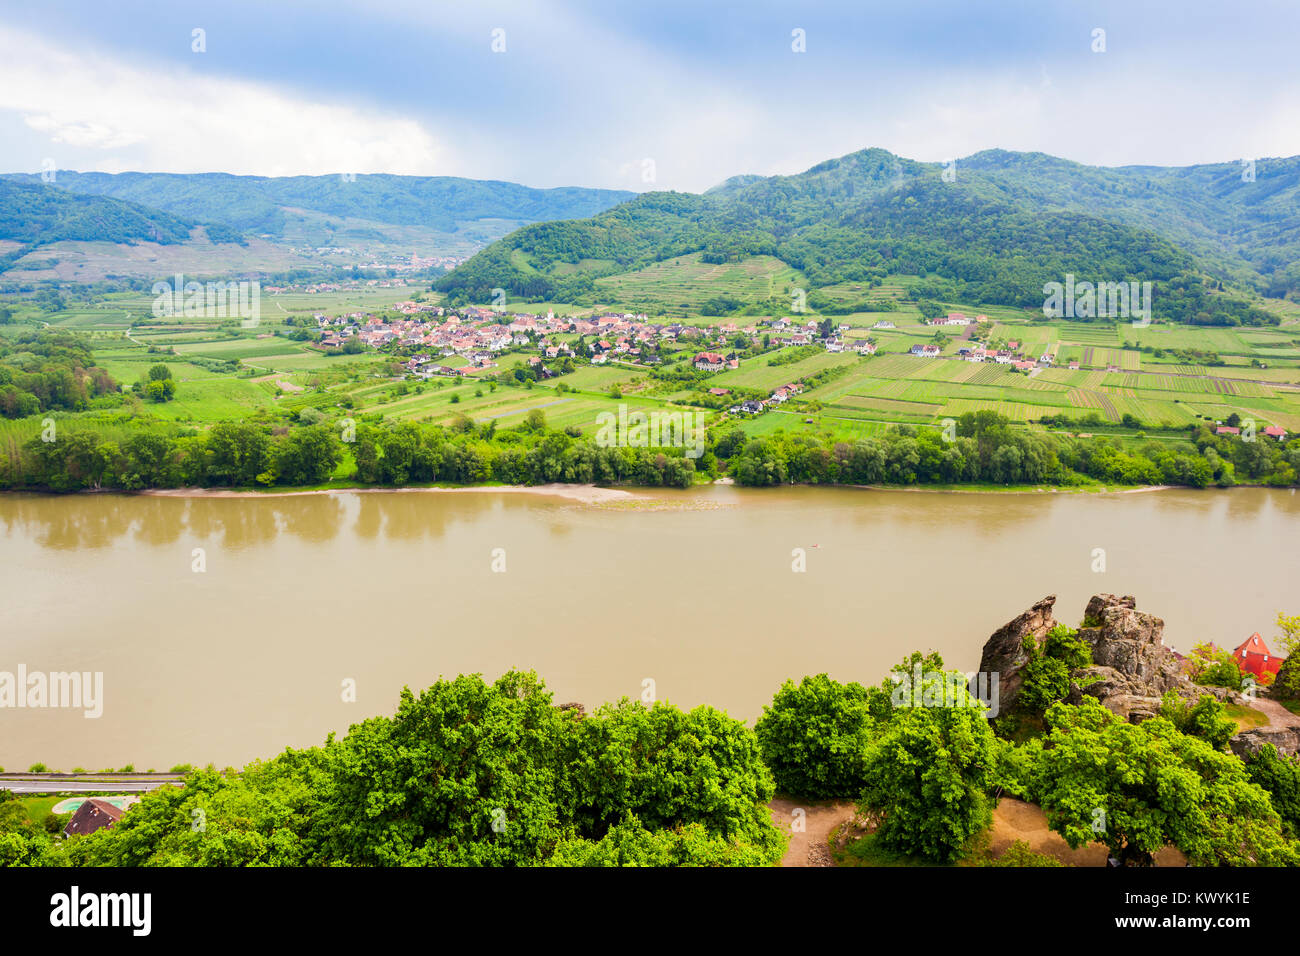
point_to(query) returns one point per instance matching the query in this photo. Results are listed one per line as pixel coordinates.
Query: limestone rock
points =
(1004, 655)
(1132, 669)
(1285, 739)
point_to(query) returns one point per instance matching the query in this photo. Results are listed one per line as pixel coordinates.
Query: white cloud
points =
(181, 120)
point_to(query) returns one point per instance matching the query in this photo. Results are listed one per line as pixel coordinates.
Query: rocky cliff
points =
(1132, 669)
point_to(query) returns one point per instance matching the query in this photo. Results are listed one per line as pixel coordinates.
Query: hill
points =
(1007, 224)
(39, 214)
(263, 205)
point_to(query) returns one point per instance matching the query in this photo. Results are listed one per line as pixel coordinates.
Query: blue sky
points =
(675, 95)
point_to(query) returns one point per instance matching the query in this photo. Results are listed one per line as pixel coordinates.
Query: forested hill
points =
(40, 214)
(995, 233)
(1218, 211)
(257, 204)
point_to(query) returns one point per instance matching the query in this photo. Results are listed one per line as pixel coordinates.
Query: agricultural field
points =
(1160, 377)
(680, 287)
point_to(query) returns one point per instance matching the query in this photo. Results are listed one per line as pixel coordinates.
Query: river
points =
(298, 598)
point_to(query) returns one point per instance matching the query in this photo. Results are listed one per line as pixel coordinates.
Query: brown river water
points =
(687, 595)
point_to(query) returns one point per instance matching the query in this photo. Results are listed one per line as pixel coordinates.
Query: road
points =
(87, 782)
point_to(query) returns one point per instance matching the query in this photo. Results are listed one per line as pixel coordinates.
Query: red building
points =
(1254, 657)
(92, 815)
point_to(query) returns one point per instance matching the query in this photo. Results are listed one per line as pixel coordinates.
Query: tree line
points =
(984, 447)
(469, 773)
(254, 454)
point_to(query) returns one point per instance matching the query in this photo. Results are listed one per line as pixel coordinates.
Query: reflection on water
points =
(693, 589)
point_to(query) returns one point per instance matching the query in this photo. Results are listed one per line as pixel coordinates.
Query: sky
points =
(662, 95)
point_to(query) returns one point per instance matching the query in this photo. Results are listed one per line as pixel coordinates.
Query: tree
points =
(160, 390)
(815, 737)
(1214, 667)
(1286, 685)
(1046, 675)
(1140, 787)
(1288, 641)
(1205, 719)
(466, 773)
(308, 455)
(929, 772)
(237, 453)
(149, 461)
(1280, 776)
(670, 768)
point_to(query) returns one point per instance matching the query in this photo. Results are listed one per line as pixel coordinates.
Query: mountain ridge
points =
(1022, 219)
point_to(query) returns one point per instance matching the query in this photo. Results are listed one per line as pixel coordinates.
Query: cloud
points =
(184, 120)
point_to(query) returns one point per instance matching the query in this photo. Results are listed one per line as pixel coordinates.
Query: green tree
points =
(308, 455)
(815, 737)
(1280, 775)
(237, 453)
(1204, 719)
(1139, 787)
(930, 770)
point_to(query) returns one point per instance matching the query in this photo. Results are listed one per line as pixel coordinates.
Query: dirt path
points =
(1016, 820)
(808, 847)
(1012, 820)
(1278, 716)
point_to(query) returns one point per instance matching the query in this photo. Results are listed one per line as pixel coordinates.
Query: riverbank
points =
(976, 489)
(585, 494)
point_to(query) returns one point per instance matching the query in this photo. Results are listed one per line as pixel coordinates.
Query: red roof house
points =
(1254, 657)
(94, 814)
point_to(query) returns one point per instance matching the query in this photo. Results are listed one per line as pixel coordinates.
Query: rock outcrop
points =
(1285, 739)
(1132, 669)
(1004, 652)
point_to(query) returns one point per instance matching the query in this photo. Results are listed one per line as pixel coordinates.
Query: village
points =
(461, 341)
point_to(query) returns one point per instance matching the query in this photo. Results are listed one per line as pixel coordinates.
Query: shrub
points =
(929, 772)
(1205, 719)
(1214, 667)
(814, 737)
(1280, 776)
(1020, 854)
(1286, 685)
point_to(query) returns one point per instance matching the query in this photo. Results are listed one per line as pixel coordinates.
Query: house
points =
(719, 391)
(94, 814)
(866, 348)
(1074, 365)
(709, 361)
(883, 324)
(925, 351)
(1276, 431)
(1253, 656)
(1227, 430)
